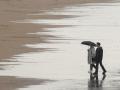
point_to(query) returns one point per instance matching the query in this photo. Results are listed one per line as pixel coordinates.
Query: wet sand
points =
(15, 36)
(12, 83)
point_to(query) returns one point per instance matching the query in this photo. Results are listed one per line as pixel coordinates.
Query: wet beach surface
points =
(40, 47)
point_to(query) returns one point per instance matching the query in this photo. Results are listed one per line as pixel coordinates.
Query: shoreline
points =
(13, 83)
(15, 35)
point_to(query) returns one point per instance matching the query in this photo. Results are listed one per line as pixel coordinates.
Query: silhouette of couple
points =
(95, 58)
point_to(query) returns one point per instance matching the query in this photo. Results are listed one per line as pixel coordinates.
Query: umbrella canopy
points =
(89, 43)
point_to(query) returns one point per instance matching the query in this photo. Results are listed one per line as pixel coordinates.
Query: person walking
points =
(99, 57)
(91, 56)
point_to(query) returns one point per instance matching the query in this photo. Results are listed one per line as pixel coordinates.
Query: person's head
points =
(98, 44)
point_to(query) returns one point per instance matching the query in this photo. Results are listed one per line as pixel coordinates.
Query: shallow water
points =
(67, 61)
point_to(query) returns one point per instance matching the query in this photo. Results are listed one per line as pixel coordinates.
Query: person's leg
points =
(103, 68)
(96, 71)
(93, 65)
(91, 68)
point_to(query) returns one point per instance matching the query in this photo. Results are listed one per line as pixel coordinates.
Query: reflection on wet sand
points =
(94, 82)
(12, 83)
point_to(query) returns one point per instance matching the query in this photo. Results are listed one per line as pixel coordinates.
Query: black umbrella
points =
(89, 43)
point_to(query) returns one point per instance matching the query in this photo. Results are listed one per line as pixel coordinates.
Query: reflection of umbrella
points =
(89, 43)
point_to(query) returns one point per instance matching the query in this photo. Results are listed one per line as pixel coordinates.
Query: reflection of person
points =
(99, 57)
(95, 82)
(91, 56)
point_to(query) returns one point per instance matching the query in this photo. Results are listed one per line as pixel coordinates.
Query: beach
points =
(13, 10)
(40, 44)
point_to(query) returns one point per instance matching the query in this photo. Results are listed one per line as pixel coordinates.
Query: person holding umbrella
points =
(91, 54)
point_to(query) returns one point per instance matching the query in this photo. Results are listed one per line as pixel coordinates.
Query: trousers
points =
(97, 66)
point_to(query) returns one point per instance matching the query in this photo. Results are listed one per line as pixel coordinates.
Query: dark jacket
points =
(99, 54)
